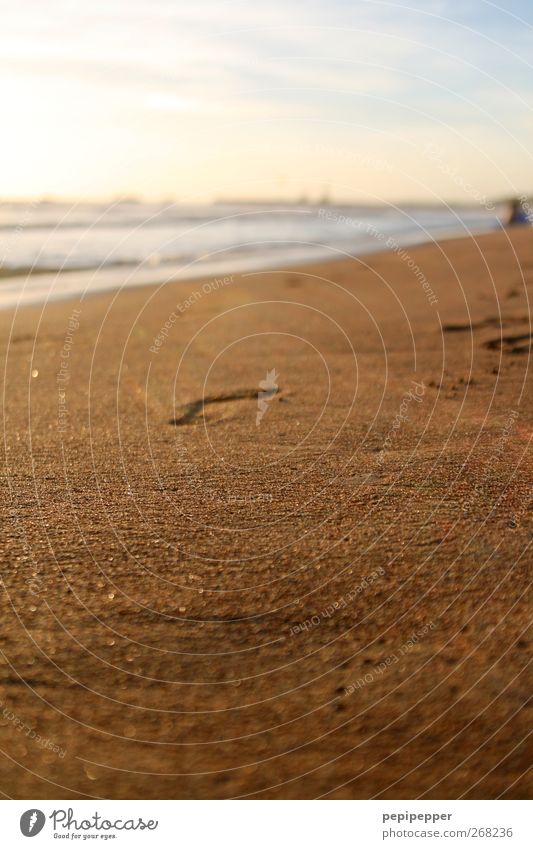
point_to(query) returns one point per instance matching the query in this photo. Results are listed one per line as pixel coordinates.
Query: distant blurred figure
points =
(519, 212)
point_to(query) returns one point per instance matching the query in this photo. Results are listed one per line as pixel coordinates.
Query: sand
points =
(320, 592)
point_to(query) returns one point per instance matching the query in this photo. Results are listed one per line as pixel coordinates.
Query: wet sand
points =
(322, 591)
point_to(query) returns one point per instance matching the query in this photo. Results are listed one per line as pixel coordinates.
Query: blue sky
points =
(366, 100)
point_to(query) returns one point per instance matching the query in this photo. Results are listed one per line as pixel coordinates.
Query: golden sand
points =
(271, 539)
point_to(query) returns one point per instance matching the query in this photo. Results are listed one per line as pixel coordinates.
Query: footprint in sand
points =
(508, 343)
(192, 410)
(486, 322)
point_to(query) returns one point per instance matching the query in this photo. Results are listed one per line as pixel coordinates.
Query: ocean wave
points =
(105, 252)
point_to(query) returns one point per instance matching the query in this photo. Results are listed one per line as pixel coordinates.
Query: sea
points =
(51, 250)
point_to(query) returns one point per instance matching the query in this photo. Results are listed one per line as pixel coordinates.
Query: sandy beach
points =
(268, 535)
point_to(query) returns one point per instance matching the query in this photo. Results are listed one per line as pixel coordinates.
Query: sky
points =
(358, 100)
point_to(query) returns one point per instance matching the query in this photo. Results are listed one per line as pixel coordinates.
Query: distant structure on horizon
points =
(303, 200)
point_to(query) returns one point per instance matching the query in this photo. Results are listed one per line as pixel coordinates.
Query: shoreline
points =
(173, 519)
(109, 278)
